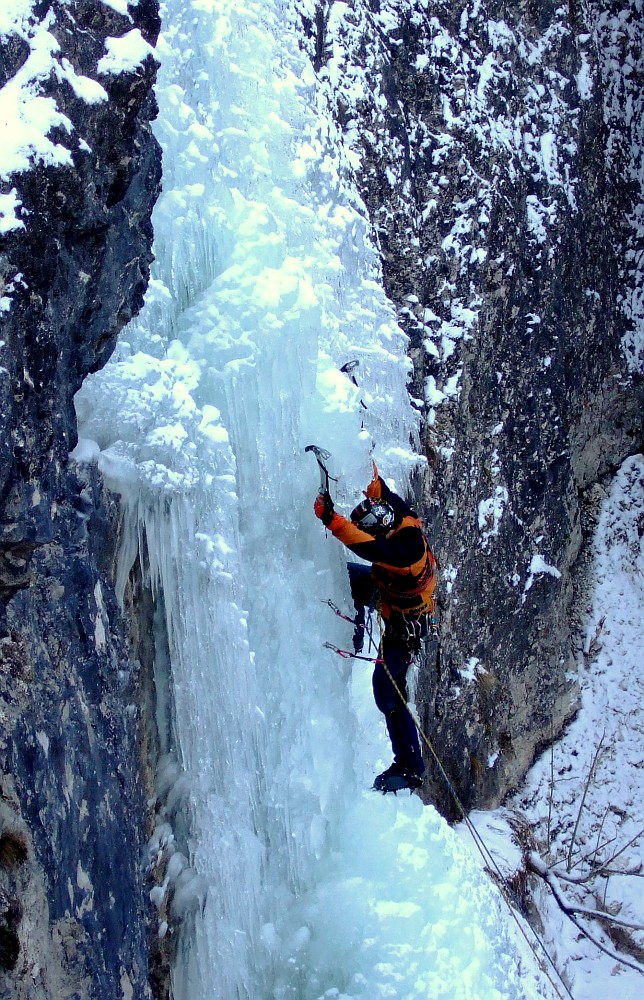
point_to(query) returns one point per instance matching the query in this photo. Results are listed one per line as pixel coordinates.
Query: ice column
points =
(264, 285)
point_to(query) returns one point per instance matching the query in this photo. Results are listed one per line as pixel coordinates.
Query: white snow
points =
(26, 116)
(539, 216)
(89, 90)
(124, 53)
(538, 566)
(8, 218)
(14, 14)
(490, 512)
(121, 6)
(584, 79)
(608, 820)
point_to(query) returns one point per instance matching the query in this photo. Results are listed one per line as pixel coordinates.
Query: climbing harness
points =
(408, 590)
(417, 630)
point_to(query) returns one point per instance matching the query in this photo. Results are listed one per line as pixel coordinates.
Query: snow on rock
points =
(79, 173)
(585, 812)
(28, 116)
(539, 565)
(53, 109)
(8, 218)
(124, 53)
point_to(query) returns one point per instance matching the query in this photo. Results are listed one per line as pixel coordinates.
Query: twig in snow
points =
(593, 645)
(583, 800)
(552, 791)
(536, 865)
(599, 833)
(614, 856)
(600, 869)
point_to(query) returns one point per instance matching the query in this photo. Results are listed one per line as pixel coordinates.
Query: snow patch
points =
(538, 566)
(125, 53)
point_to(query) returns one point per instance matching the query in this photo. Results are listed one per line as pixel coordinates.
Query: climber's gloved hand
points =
(323, 508)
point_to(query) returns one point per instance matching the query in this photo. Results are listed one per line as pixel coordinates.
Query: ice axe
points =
(322, 456)
(348, 369)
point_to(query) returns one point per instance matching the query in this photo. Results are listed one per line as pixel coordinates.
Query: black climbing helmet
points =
(373, 516)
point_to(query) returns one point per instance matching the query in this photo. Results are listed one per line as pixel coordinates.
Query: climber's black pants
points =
(398, 656)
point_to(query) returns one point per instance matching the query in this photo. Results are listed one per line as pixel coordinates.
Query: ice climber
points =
(386, 532)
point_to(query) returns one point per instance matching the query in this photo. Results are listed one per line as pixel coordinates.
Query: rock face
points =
(498, 155)
(498, 152)
(76, 200)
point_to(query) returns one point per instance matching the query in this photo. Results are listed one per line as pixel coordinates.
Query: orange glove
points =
(323, 508)
(374, 490)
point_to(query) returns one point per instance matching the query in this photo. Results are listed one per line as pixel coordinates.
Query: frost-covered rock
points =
(79, 172)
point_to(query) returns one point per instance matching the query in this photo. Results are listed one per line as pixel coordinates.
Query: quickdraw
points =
(359, 626)
(346, 654)
(340, 614)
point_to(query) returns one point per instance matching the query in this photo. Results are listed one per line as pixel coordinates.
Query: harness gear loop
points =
(408, 589)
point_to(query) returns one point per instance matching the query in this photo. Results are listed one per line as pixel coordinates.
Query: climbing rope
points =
(479, 843)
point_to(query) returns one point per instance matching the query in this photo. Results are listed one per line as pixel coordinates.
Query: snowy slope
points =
(303, 883)
(578, 815)
(584, 800)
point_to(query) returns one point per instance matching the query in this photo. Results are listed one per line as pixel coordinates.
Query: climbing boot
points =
(396, 777)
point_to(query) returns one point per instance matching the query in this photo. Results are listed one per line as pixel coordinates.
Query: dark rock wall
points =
(494, 148)
(73, 903)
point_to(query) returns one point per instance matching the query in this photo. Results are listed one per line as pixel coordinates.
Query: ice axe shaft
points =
(322, 456)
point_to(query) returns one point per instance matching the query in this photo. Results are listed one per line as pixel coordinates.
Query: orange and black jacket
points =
(403, 565)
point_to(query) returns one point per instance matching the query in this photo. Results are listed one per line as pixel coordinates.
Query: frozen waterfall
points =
(306, 884)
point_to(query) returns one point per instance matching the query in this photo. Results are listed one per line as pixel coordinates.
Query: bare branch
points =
(583, 800)
(610, 860)
(603, 915)
(536, 865)
(584, 857)
(599, 833)
(552, 791)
